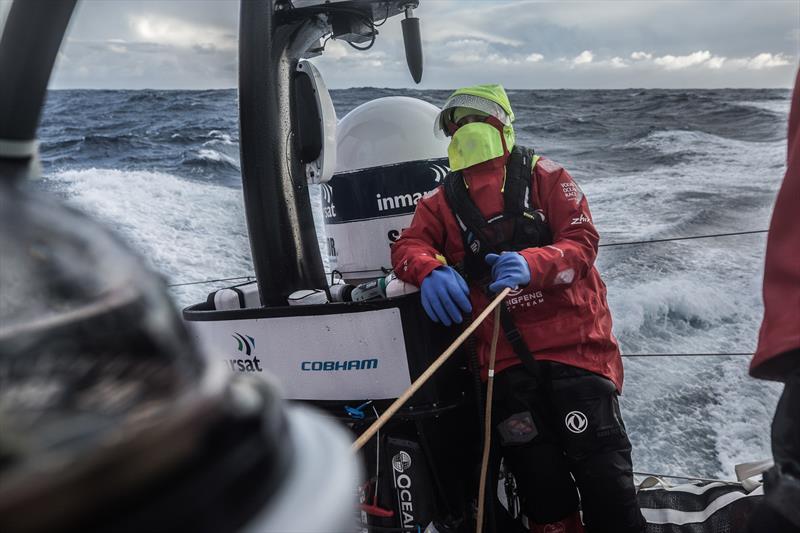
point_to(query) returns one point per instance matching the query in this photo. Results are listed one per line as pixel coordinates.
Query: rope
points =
(686, 238)
(487, 423)
(398, 403)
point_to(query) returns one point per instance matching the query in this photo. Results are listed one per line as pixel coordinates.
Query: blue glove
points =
(445, 296)
(509, 269)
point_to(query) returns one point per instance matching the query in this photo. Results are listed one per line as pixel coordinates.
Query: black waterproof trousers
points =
(780, 510)
(567, 425)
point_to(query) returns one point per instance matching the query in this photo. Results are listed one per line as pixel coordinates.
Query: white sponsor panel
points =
(322, 357)
(362, 246)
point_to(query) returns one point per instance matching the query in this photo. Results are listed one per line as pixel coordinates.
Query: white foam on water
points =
(221, 137)
(214, 155)
(780, 107)
(184, 229)
(693, 196)
(696, 416)
(742, 419)
(315, 195)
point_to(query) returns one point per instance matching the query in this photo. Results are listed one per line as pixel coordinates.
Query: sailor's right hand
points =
(445, 296)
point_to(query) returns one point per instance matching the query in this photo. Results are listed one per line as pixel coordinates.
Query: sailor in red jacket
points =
(778, 354)
(505, 217)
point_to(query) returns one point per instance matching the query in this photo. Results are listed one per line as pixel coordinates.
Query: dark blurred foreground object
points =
(778, 354)
(110, 419)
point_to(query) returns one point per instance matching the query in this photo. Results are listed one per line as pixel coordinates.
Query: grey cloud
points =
(465, 41)
(133, 65)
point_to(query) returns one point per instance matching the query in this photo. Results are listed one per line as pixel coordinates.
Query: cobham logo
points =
(336, 366)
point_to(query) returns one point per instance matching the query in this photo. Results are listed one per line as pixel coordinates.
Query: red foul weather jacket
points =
(562, 314)
(779, 338)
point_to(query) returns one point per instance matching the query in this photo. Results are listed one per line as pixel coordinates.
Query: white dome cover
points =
(388, 130)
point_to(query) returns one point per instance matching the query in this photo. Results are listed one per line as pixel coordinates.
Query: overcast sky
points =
(522, 44)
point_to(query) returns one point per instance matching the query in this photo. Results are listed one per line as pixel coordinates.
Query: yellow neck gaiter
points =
(474, 143)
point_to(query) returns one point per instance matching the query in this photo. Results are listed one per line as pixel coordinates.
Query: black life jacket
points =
(519, 226)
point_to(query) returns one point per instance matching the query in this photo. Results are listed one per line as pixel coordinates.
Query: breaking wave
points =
(161, 167)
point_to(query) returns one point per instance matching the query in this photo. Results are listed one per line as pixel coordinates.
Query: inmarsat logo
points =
(409, 201)
(328, 209)
(327, 192)
(576, 422)
(245, 344)
(401, 462)
(439, 172)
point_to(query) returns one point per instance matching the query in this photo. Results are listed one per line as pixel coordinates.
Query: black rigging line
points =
(237, 278)
(358, 14)
(687, 238)
(631, 243)
(371, 23)
(381, 23)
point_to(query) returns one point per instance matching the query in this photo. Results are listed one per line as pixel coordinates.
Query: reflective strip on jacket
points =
(562, 314)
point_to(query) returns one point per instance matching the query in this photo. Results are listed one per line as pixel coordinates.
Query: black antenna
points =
(413, 42)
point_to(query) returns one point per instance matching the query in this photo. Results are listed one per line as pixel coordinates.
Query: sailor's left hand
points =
(509, 269)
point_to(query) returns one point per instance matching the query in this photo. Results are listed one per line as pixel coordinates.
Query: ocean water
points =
(161, 167)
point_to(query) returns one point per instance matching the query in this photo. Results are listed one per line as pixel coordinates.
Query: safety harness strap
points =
(466, 212)
(516, 198)
(517, 187)
(516, 191)
(516, 341)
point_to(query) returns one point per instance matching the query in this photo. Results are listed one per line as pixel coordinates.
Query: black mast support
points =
(26, 60)
(280, 222)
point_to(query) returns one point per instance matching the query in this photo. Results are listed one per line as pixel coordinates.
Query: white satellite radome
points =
(389, 130)
(387, 159)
